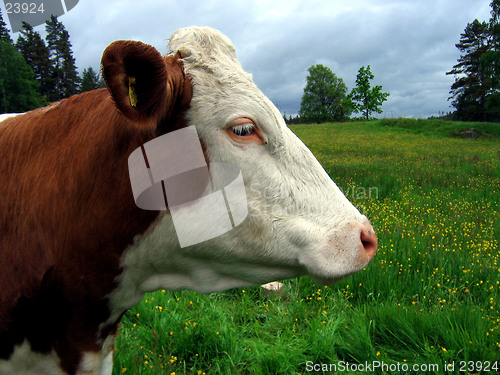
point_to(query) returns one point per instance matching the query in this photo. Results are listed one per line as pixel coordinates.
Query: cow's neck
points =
(156, 261)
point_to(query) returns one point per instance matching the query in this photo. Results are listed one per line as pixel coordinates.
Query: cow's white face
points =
(299, 221)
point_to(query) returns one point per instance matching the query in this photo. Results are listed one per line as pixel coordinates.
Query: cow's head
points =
(298, 222)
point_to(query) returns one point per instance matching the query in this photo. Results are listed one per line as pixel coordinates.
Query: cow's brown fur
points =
(66, 206)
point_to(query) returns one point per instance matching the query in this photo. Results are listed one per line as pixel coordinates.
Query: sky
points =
(409, 44)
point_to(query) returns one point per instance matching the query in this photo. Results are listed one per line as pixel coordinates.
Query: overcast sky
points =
(409, 44)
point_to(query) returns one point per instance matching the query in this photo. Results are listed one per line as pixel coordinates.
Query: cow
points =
(75, 249)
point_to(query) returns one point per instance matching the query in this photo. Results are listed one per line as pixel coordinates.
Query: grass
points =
(430, 297)
(442, 127)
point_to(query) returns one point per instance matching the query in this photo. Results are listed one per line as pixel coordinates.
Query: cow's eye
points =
(243, 130)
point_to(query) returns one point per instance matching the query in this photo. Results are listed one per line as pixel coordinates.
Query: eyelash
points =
(243, 130)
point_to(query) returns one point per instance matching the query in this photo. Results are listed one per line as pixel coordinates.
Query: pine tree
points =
(54, 29)
(18, 87)
(90, 80)
(36, 54)
(491, 58)
(64, 70)
(471, 87)
(490, 63)
(365, 98)
(70, 73)
(4, 31)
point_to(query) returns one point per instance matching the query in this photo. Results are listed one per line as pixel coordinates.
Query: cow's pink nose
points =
(368, 240)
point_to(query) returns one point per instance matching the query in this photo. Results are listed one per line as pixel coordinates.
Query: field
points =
(430, 298)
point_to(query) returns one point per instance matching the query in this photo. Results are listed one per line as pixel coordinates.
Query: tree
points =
(366, 99)
(490, 64)
(64, 71)
(490, 59)
(475, 94)
(90, 80)
(36, 54)
(70, 73)
(18, 87)
(4, 32)
(324, 96)
(471, 87)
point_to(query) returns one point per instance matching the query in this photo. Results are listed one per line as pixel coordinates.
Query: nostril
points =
(369, 240)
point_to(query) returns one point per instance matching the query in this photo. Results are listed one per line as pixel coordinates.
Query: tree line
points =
(35, 72)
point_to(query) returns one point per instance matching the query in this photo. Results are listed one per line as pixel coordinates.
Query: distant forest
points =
(35, 72)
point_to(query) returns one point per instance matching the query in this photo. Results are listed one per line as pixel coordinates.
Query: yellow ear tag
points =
(131, 91)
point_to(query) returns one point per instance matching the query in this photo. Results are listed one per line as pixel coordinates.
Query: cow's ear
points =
(140, 81)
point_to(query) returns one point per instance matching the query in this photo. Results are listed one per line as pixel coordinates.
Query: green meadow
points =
(429, 303)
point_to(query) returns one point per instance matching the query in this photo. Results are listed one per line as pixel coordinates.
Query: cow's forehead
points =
(204, 43)
(209, 56)
(221, 88)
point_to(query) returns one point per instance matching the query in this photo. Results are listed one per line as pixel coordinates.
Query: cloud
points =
(408, 44)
